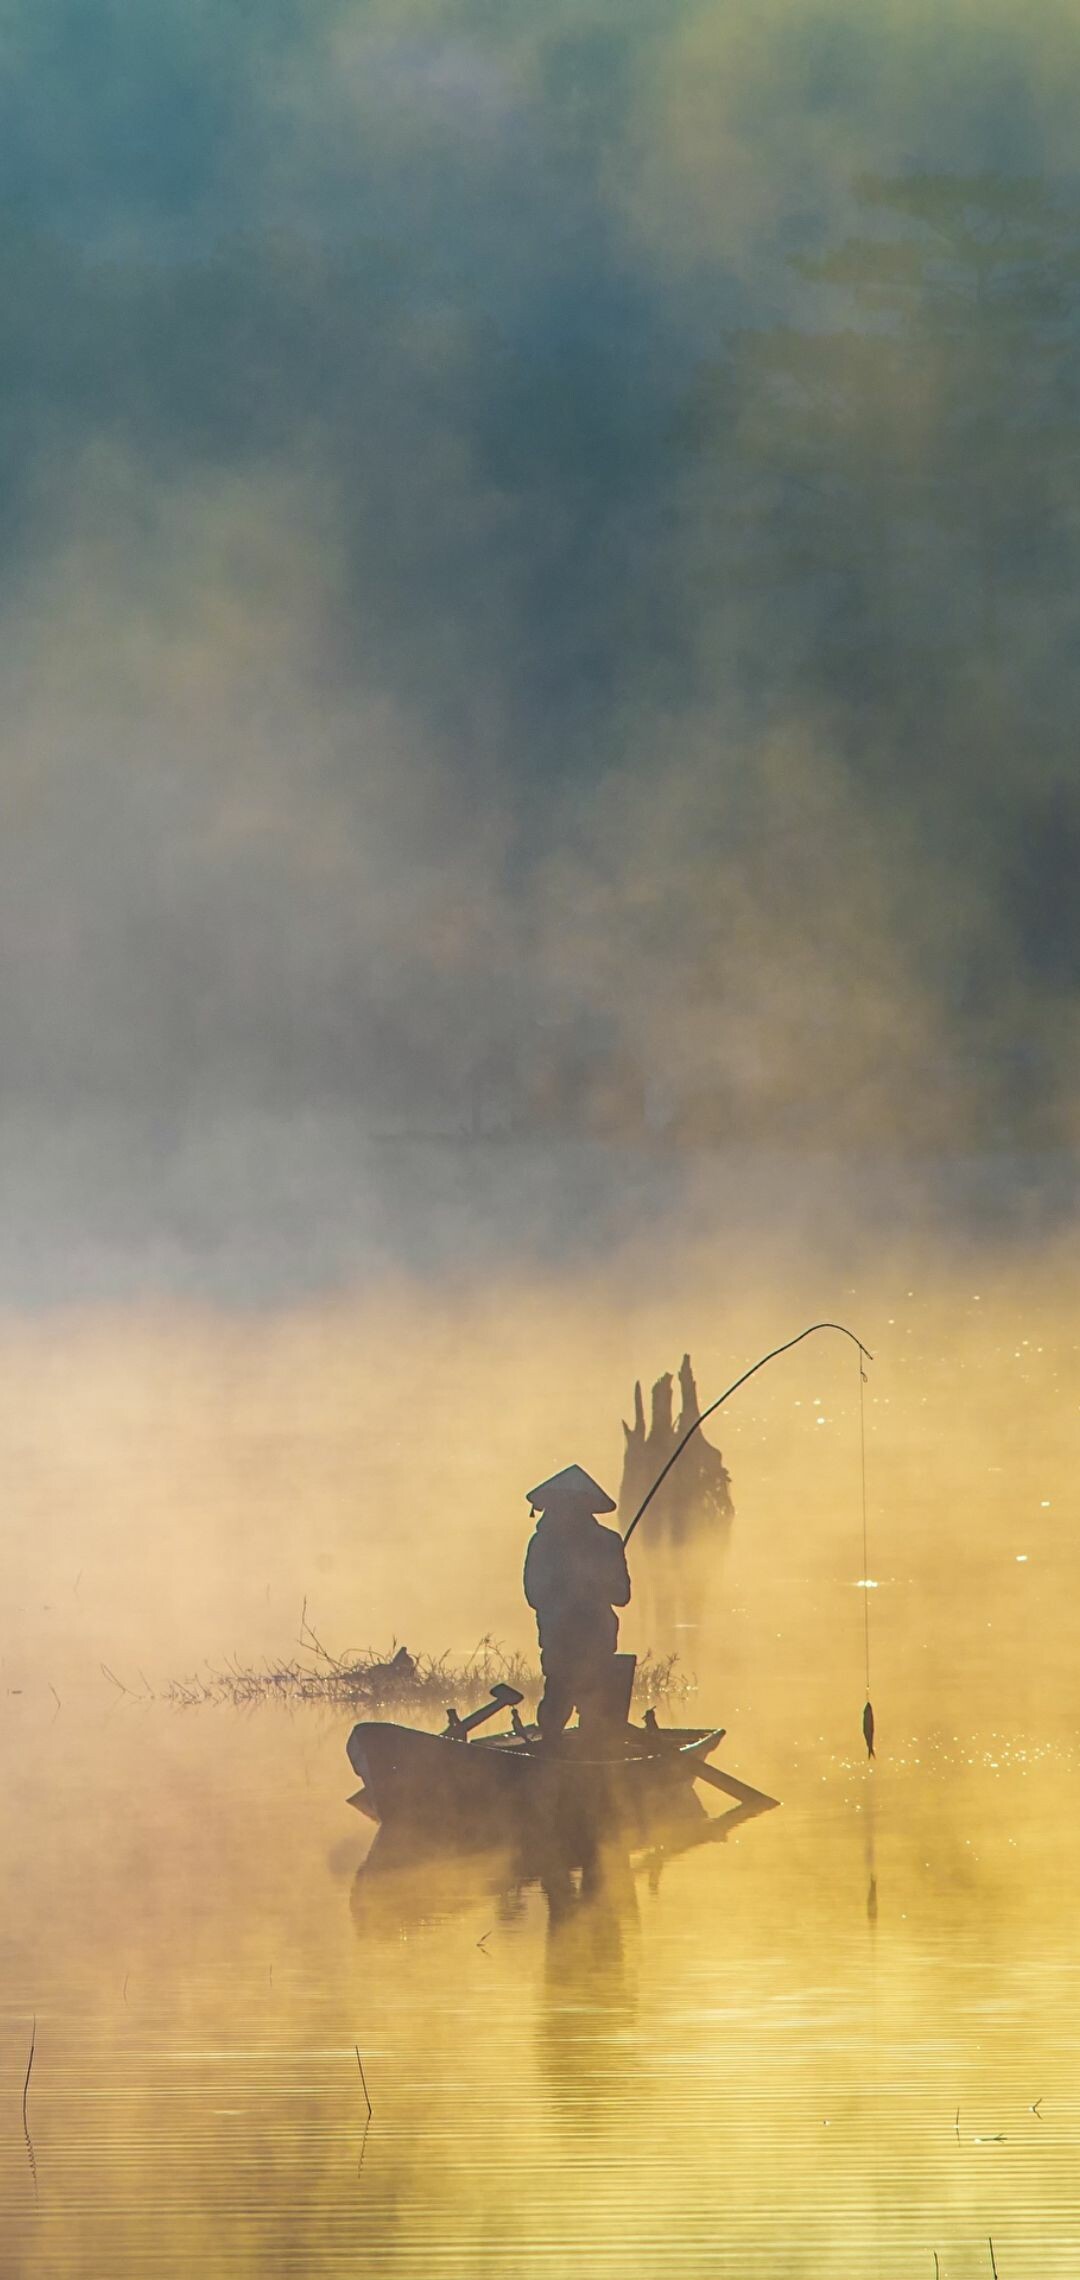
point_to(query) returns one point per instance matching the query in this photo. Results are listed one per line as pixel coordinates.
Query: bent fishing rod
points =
(719, 1403)
(864, 1355)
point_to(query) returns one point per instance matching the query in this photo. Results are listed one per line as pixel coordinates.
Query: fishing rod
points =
(864, 1355)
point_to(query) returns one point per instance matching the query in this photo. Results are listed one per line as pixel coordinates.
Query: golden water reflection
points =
(722, 2063)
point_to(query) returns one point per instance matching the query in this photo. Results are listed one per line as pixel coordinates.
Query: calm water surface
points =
(745, 2062)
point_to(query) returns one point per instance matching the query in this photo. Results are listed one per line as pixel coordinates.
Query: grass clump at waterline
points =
(396, 1680)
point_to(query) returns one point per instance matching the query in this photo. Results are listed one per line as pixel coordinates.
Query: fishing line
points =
(864, 1353)
(868, 1712)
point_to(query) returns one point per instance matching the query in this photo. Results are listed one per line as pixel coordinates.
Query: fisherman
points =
(575, 1577)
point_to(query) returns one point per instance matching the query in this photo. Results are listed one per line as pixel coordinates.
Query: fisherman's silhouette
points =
(688, 1523)
(575, 1577)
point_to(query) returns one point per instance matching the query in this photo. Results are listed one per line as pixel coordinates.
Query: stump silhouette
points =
(685, 1532)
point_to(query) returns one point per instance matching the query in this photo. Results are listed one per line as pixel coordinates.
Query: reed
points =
(29, 2071)
(30, 2154)
(367, 1679)
(363, 2080)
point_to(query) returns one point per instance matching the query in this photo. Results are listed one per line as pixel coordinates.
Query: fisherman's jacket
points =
(575, 1577)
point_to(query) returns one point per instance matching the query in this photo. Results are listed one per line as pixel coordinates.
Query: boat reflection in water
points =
(579, 1818)
(587, 1872)
(585, 2023)
(403, 1886)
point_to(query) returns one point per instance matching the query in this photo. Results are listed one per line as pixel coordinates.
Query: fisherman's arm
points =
(619, 1575)
(532, 1578)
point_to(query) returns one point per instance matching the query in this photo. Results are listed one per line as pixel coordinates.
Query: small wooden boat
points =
(450, 1788)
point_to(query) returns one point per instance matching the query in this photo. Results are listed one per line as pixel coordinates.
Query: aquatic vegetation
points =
(396, 1679)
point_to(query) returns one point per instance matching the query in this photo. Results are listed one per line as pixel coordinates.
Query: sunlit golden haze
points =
(177, 1485)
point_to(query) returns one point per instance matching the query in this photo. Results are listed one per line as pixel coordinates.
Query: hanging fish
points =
(868, 1728)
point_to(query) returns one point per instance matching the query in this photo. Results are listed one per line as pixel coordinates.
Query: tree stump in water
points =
(685, 1531)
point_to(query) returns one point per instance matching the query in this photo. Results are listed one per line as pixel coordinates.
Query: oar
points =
(740, 1790)
(502, 1698)
(715, 1831)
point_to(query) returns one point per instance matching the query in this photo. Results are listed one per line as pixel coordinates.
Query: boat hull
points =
(474, 1793)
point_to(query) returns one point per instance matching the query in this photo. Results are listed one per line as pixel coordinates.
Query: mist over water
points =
(845, 2036)
(179, 1484)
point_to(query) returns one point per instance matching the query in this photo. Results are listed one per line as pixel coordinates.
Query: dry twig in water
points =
(29, 2068)
(25, 2096)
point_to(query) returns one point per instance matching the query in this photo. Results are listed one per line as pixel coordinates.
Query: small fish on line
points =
(868, 1728)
